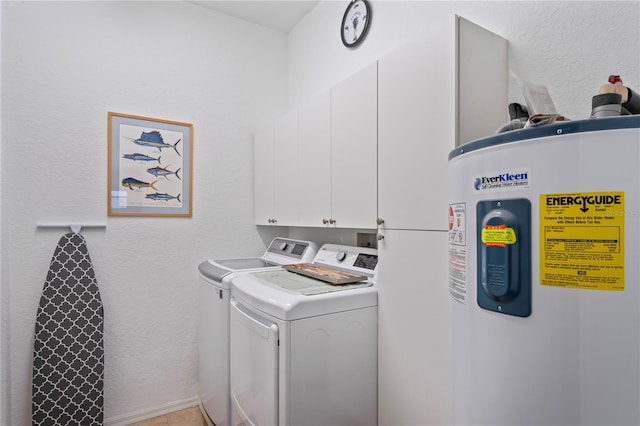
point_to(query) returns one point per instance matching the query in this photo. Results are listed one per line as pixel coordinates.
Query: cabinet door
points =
(482, 80)
(263, 169)
(354, 150)
(416, 89)
(285, 172)
(414, 344)
(314, 144)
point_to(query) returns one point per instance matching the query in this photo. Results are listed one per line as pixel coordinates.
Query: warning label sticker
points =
(582, 240)
(458, 252)
(498, 235)
(457, 224)
(458, 273)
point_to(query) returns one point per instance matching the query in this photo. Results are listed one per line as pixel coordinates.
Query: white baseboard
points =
(161, 410)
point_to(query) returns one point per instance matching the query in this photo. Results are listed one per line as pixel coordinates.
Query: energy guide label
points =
(582, 240)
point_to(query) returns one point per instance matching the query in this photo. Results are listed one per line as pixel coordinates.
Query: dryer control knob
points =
(341, 255)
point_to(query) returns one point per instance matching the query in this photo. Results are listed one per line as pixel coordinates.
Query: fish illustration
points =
(154, 139)
(140, 157)
(160, 171)
(163, 197)
(135, 183)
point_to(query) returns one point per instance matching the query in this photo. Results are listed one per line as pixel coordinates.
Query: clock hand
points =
(355, 21)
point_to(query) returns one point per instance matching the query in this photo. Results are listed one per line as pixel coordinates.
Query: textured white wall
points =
(569, 46)
(64, 66)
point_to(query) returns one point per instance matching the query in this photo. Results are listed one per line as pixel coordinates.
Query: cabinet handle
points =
(380, 221)
(332, 221)
(380, 237)
(325, 221)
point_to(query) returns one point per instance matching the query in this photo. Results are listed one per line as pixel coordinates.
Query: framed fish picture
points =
(150, 166)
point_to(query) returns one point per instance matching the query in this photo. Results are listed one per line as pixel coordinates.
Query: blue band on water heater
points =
(553, 129)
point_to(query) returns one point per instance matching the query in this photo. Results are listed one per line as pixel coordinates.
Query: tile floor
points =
(187, 417)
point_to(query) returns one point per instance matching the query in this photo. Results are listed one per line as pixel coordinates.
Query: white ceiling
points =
(280, 15)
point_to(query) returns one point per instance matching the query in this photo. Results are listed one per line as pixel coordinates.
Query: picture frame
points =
(150, 166)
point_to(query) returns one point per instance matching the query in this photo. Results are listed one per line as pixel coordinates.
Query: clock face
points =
(355, 22)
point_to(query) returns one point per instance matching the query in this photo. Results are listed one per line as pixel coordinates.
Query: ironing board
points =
(68, 351)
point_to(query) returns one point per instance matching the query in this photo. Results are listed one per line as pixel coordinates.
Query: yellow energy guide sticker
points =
(582, 240)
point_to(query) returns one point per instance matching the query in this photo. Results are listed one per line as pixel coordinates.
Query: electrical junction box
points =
(504, 256)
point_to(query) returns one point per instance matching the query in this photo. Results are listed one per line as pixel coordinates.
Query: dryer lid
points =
(306, 286)
(248, 263)
(289, 296)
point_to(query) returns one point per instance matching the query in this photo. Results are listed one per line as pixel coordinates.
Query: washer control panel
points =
(360, 260)
(294, 249)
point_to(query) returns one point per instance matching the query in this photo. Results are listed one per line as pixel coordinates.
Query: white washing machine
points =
(213, 333)
(303, 351)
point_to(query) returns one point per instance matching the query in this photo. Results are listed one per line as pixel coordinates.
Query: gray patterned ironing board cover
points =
(68, 349)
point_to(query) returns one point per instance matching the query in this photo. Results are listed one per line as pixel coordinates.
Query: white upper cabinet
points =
(286, 177)
(416, 86)
(422, 88)
(263, 177)
(374, 148)
(314, 145)
(354, 154)
(276, 171)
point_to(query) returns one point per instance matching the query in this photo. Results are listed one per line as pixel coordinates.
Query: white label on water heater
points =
(458, 252)
(458, 273)
(504, 180)
(457, 224)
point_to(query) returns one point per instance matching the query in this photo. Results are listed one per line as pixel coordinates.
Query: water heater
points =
(543, 275)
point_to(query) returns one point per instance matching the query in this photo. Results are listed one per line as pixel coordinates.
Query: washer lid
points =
(289, 296)
(218, 269)
(248, 263)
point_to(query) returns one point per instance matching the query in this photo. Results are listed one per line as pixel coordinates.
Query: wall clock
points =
(355, 22)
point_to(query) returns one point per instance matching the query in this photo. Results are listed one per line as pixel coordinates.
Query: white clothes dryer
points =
(213, 333)
(303, 351)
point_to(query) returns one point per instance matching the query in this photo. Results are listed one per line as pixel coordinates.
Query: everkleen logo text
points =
(506, 177)
(509, 180)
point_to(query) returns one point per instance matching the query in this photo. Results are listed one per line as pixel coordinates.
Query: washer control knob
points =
(283, 246)
(341, 255)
